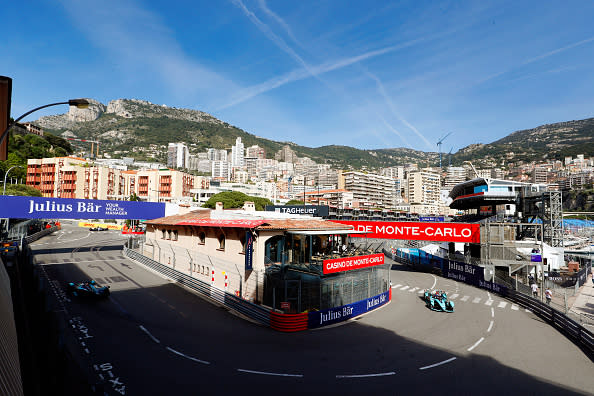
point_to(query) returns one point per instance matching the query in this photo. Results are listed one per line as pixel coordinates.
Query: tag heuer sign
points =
(309, 210)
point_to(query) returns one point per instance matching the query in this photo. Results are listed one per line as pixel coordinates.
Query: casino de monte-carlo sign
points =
(65, 208)
(417, 231)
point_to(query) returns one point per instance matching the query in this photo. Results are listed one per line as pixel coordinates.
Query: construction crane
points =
(439, 142)
(88, 141)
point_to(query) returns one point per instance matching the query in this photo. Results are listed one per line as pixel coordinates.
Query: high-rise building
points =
(454, 175)
(255, 151)
(177, 155)
(369, 189)
(237, 153)
(424, 188)
(286, 154)
(217, 154)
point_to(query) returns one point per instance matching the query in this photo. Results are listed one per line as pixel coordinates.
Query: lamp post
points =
(6, 174)
(79, 103)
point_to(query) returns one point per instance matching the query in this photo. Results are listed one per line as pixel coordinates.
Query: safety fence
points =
(253, 311)
(475, 275)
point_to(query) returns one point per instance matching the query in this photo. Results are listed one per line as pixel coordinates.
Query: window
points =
(202, 238)
(221, 242)
(174, 235)
(164, 234)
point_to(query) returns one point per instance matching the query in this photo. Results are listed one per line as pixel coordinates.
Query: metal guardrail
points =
(253, 311)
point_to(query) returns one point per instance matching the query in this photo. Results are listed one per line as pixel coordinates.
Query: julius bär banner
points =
(419, 231)
(66, 208)
(352, 263)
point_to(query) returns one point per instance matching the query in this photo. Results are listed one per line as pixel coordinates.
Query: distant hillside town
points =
(194, 178)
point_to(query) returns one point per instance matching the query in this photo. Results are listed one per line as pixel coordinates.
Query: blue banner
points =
(471, 275)
(345, 312)
(65, 208)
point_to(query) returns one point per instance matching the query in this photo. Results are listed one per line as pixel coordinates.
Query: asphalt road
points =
(152, 337)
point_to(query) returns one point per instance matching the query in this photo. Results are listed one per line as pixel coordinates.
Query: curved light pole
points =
(6, 174)
(79, 103)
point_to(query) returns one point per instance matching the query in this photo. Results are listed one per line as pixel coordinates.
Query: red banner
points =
(352, 263)
(222, 223)
(419, 231)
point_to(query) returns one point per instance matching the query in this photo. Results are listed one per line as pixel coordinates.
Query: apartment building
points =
(369, 189)
(72, 177)
(423, 191)
(177, 155)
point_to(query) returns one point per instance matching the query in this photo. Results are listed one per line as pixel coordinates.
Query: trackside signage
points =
(345, 312)
(420, 231)
(352, 263)
(65, 208)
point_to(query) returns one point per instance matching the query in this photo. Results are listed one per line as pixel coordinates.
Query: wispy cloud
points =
(264, 7)
(537, 58)
(393, 110)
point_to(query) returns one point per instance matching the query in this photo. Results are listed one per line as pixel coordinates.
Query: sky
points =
(367, 74)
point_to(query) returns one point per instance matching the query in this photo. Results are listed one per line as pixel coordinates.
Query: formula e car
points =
(437, 300)
(98, 229)
(88, 288)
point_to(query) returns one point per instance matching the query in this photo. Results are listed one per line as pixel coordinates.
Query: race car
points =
(88, 288)
(437, 300)
(98, 229)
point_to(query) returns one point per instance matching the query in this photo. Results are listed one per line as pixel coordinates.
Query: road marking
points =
(413, 289)
(438, 364)
(502, 304)
(366, 375)
(514, 307)
(268, 373)
(434, 281)
(149, 334)
(476, 300)
(490, 326)
(492, 312)
(454, 296)
(397, 286)
(476, 344)
(421, 291)
(465, 298)
(489, 302)
(186, 356)
(405, 287)
(527, 310)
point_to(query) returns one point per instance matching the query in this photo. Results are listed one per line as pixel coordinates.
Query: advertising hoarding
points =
(420, 231)
(68, 208)
(311, 210)
(352, 263)
(345, 312)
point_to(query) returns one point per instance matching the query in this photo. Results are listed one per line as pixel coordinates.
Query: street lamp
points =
(6, 174)
(79, 103)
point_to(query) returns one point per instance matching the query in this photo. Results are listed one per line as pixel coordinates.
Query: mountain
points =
(140, 129)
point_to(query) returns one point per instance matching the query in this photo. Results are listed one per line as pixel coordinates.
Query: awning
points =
(325, 232)
(222, 223)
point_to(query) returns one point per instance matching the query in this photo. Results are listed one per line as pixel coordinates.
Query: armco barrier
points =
(253, 311)
(288, 322)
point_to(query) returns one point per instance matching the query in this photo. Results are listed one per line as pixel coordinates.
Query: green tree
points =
(294, 202)
(235, 200)
(23, 190)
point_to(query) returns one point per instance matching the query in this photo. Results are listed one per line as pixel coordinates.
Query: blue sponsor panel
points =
(65, 208)
(432, 218)
(345, 312)
(471, 275)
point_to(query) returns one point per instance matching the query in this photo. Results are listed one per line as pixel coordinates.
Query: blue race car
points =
(437, 300)
(88, 288)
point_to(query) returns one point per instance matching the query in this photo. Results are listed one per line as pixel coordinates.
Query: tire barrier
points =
(288, 323)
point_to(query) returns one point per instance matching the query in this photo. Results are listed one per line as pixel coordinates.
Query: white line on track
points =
(492, 312)
(455, 295)
(438, 364)
(366, 375)
(502, 304)
(489, 302)
(434, 282)
(413, 289)
(465, 298)
(490, 326)
(149, 334)
(404, 287)
(476, 344)
(186, 356)
(476, 300)
(397, 286)
(268, 373)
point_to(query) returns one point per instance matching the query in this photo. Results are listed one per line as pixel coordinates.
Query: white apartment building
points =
(369, 189)
(221, 170)
(216, 154)
(177, 155)
(237, 153)
(454, 175)
(423, 191)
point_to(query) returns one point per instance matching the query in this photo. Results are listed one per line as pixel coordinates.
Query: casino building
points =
(285, 261)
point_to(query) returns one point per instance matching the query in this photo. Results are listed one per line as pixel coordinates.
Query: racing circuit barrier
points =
(474, 275)
(253, 311)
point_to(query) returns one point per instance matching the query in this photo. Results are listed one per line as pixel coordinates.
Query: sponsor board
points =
(345, 312)
(312, 210)
(420, 231)
(352, 263)
(66, 208)
(86, 224)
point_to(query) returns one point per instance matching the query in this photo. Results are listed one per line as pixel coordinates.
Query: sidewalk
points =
(584, 300)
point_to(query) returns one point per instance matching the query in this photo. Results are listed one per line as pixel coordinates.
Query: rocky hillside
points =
(140, 129)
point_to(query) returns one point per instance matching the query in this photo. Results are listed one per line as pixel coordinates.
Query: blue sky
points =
(368, 74)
